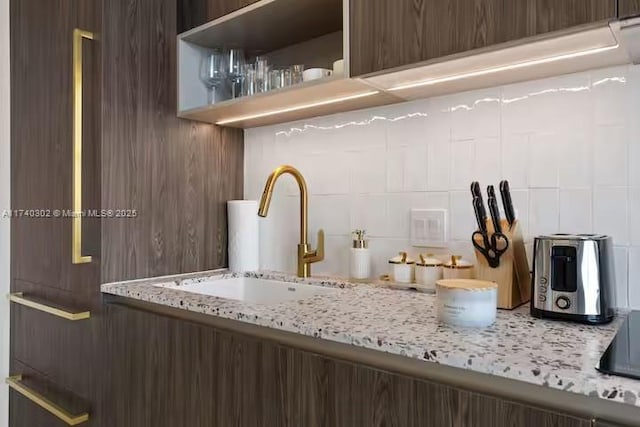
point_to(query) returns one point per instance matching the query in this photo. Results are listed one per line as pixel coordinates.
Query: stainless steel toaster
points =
(573, 278)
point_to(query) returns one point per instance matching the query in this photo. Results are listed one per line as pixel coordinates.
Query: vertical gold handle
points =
(76, 237)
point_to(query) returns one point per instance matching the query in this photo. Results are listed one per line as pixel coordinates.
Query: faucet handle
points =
(318, 254)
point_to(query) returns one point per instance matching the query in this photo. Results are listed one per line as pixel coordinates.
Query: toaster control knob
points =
(563, 303)
(543, 280)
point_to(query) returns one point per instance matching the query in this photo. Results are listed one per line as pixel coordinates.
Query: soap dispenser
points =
(360, 259)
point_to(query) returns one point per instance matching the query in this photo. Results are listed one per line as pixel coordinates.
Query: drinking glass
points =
(236, 67)
(213, 72)
(262, 73)
(296, 73)
(249, 80)
(279, 78)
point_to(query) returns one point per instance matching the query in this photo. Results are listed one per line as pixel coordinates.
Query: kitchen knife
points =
(481, 214)
(494, 210)
(476, 193)
(509, 211)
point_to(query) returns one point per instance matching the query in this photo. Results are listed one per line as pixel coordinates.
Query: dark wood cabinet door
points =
(24, 412)
(192, 13)
(160, 367)
(391, 33)
(42, 142)
(628, 8)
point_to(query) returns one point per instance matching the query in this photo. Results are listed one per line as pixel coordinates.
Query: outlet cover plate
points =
(429, 228)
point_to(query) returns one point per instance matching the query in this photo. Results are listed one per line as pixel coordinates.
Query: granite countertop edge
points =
(404, 323)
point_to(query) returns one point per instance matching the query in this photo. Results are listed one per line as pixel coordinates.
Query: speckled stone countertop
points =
(554, 354)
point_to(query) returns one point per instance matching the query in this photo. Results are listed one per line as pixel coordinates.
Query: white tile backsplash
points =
(567, 145)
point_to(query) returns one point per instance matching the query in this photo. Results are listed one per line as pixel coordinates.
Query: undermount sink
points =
(253, 290)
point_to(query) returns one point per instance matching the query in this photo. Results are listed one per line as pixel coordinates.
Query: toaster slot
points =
(564, 273)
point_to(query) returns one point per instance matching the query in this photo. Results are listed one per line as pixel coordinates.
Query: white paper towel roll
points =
(244, 243)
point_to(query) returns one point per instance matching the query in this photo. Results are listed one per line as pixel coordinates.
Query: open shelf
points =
(309, 99)
(287, 32)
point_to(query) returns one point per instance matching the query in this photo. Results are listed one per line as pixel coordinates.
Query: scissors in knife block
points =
(493, 246)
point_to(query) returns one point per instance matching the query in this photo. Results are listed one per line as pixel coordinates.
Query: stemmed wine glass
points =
(236, 67)
(213, 72)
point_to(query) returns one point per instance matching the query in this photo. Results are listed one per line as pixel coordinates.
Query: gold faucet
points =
(306, 257)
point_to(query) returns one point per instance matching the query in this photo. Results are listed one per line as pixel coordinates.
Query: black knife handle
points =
(494, 210)
(507, 202)
(476, 193)
(481, 214)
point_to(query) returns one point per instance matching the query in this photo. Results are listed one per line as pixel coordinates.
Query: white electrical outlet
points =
(429, 228)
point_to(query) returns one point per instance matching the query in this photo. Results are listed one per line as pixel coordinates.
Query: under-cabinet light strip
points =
(297, 107)
(500, 68)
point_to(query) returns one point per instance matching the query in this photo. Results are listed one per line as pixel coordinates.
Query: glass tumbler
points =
(249, 80)
(262, 73)
(296, 73)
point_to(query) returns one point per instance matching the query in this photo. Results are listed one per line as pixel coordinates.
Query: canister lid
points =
(457, 262)
(428, 260)
(466, 284)
(402, 258)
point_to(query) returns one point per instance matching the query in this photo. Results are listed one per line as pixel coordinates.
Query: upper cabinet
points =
(293, 64)
(385, 34)
(192, 13)
(384, 46)
(628, 8)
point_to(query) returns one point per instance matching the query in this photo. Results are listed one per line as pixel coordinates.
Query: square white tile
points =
(544, 160)
(621, 261)
(544, 212)
(369, 213)
(488, 164)
(610, 94)
(610, 216)
(634, 277)
(634, 215)
(367, 170)
(515, 160)
(330, 213)
(576, 211)
(463, 222)
(611, 156)
(438, 164)
(463, 155)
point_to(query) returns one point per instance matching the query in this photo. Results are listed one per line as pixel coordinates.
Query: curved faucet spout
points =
(305, 255)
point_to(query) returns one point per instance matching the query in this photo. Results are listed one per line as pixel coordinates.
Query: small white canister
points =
(402, 268)
(467, 303)
(457, 268)
(428, 272)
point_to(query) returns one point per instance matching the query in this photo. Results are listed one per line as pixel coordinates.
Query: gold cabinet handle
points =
(19, 298)
(14, 382)
(76, 238)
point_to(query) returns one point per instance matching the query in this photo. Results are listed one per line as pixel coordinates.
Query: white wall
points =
(4, 204)
(569, 146)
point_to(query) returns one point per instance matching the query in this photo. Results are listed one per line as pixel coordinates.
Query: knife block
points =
(512, 275)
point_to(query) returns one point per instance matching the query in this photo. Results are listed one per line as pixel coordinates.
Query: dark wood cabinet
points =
(390, 33)
(193, 13)
(628, 8)
(137, 156)
(162, 367)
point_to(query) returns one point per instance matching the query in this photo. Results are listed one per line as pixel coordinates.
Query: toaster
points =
(573, 278)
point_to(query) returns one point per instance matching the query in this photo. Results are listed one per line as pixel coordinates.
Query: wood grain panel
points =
(25, 413)
(177, 174)
(64, 351)
(169, 364)
(41, 135)
(628, 8)
(391, 33)
(192, 13)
